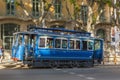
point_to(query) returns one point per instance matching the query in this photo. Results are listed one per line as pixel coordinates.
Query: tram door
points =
(7, 31)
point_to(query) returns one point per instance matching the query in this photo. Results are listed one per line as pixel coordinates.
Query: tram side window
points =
(84, 43)
(42, 42)
(71, 44)
(64, 44)
(97, 45)
(57, 43)
(90, 45)
(77, 44)
(49, 43)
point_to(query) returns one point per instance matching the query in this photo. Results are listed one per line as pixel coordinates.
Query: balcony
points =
(17, 15)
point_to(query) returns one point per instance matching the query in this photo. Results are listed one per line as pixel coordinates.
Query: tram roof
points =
(55, 32)
(50, 34)
(55, 29)
(59, 31)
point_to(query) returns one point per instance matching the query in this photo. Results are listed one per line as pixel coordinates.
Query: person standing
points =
(1, 54)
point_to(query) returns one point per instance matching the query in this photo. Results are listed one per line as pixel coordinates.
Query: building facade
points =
(83, 15)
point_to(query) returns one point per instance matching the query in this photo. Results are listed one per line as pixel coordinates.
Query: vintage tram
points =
(54, 47)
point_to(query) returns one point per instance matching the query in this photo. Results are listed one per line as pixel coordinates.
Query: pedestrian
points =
(1, 54)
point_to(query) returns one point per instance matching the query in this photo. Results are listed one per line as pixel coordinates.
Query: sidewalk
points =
(109, 64)
(7, 61)
(9, 64)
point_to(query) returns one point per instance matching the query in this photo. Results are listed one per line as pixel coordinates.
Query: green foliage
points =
(76, 8)
(109, 2)
(73, 2)
(93, 19)
(118, 4)
(17, 3)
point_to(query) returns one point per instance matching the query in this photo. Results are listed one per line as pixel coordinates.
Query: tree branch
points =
(68, 10)
(25, 10)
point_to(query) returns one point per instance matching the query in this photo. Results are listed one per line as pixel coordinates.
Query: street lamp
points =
(115, 27)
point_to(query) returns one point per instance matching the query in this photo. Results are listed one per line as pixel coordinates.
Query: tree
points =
(45, 6)
(95, 13)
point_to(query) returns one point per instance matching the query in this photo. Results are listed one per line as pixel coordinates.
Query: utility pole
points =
(115, 27)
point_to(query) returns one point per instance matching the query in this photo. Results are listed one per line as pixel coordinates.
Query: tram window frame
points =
(49, 42)
(43, 42)
(65, 44)
(73, 44)
(58, 45)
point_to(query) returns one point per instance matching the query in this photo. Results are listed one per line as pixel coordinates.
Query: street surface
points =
(96, 73)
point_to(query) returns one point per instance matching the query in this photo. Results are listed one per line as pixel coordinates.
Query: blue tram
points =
(54, 47)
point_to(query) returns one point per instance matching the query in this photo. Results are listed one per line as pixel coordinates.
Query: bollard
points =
(115, 60)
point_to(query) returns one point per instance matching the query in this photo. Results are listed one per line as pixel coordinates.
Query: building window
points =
(10, 7)
(6, 31)
(58, 6)
(100, 33)
(35, 8)
(84, 14)
(102, 17)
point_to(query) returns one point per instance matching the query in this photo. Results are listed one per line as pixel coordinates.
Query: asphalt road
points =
(96, 73)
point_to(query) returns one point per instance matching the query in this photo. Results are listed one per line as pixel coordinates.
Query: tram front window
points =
(20, 39)
(97, 45)
(90, 45)
(27, 39)
(14, 39)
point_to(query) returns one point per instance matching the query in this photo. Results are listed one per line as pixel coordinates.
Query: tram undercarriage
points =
(60, 63)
